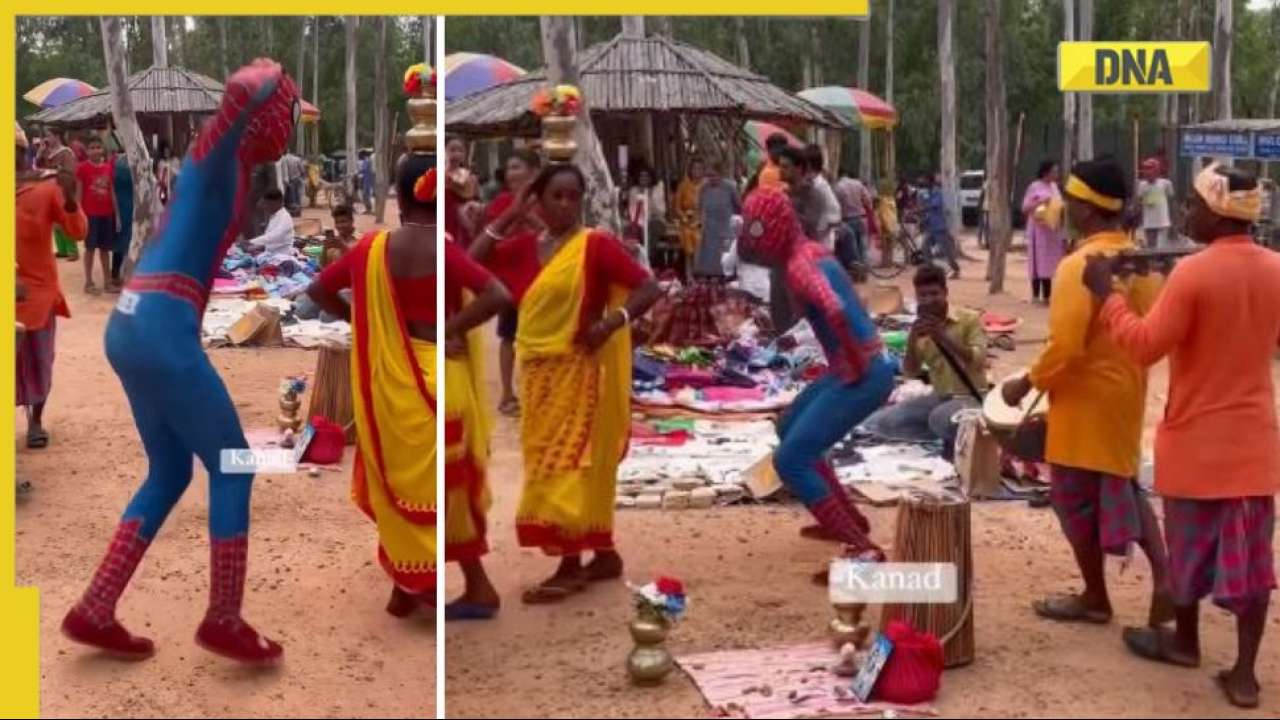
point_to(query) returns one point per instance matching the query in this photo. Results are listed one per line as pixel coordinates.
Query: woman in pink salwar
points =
(1046, 239)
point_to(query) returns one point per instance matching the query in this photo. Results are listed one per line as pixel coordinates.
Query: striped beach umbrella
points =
(466, 73)
(858, 107)
(757, 133)
(310, 113)
(58, 91)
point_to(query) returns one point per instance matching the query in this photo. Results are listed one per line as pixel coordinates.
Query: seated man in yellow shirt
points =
(1097, 395)
(940, 326)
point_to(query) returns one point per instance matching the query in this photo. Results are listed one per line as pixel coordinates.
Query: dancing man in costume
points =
(179, 403)
(858, 382)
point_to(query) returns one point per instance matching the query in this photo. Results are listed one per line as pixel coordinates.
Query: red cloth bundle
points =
(327, 443)
(913, 672)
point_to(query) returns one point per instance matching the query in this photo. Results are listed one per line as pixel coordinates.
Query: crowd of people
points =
(575, 290)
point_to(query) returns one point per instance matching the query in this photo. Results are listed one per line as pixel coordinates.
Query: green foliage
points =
(62, 46)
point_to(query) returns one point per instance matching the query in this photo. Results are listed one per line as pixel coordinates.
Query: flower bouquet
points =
(662, 599)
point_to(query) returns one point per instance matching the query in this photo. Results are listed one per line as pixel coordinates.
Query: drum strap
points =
(960, 371)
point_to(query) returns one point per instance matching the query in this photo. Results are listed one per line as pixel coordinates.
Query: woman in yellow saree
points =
(393, 368)
(472, 297)
(577, 289)
(687, 213)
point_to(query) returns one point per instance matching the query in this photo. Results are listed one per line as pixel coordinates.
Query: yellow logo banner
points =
(1134, 67)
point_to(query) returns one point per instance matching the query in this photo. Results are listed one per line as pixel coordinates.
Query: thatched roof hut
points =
(635, 75)
(154, 91)
(653, 100)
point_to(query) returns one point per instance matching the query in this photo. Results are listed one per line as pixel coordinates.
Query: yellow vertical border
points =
(19, 607)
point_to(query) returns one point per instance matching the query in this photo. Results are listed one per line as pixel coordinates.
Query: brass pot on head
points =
(557, 137)
(421, 138)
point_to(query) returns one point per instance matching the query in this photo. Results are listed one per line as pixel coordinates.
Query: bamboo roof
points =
(633, 75)
(155, 90)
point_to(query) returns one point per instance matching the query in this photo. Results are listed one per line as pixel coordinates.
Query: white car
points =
(971, 182)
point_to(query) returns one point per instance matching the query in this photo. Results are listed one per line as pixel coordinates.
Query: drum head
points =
(1000, 416)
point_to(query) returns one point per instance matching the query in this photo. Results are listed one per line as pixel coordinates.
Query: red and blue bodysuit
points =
(180, 405)
(859, 378)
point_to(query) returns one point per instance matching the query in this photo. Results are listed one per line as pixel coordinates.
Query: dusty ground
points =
(314, 583)
(746, 571)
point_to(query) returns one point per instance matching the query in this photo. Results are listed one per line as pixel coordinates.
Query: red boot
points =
(223, 631)
(93, 621)
(112, 638)
(833, 483)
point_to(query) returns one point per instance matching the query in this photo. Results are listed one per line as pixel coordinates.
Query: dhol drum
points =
(933, 529)
(1020, 430)
(331, 396)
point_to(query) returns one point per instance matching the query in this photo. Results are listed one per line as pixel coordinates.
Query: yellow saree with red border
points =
(394, 381)
(576, 420)
(467, 427)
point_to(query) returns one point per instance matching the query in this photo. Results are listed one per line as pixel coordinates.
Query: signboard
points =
(1266, 147)
(1197, 143)
(1134, 67)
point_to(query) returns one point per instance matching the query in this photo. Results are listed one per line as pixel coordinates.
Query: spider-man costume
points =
(860, 375)
(179, 403)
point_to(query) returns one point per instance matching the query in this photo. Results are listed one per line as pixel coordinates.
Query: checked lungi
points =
(1221, 548)
(35, 364)
(1097, 507)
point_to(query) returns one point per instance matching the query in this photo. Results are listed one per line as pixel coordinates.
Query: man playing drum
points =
(1096, 399)
(1217, 450)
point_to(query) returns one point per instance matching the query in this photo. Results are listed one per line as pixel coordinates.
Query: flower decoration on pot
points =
(658, 605)
(558, 107)
(420, 86)
(420, 80)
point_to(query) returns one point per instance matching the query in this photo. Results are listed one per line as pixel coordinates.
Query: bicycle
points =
(905, 249)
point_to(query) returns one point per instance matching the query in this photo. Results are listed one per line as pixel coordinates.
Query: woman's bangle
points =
(488, 230)
(626, 316)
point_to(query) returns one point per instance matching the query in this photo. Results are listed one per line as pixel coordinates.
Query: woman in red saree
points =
(577, 290)
(392, 275)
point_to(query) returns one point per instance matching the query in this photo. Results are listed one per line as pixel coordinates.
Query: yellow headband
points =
(1216, 191)
(1080, 190)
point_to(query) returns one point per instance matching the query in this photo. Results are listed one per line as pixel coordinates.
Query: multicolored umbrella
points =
(757, 132)
(310, 113)
(466, 73)
(859, 107)
(58, 91)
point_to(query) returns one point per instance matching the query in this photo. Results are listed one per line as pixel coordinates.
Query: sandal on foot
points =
(510, 408)
(459, 610)
(91, 289)
(1248, 702)
(1162, 610)
(37, 438)
(595, 571)
(1070, 608)
(551, 592)
(1156, 644)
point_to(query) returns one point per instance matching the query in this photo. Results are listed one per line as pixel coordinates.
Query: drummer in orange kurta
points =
(44, 199)
(1097, 395)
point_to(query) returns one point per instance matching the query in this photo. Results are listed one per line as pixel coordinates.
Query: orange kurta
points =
(39, 207)
(1097, 393)
(1218, 320)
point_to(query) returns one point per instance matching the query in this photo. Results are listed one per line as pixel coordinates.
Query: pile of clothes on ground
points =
(741, 376)
(246, 276)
